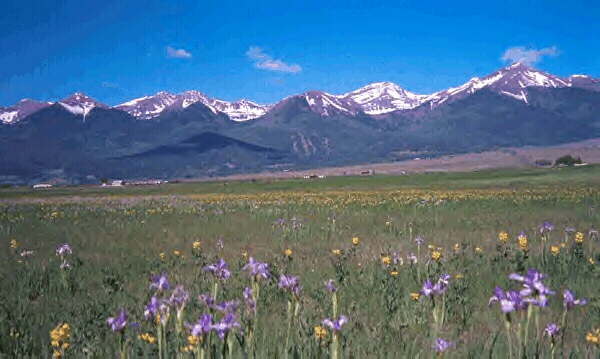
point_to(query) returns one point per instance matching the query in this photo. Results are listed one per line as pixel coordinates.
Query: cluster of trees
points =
(566, 160)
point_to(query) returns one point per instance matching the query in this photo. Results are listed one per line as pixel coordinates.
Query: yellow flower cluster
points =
(336, 252)
(478, 249)
(196, 245)
(386, 260)
(593, 337)
(288, 252)
(436, 255)
(394, 272)
(355, 241)
(579, 237)
(555, 250)
(147, 337)
(523, 244)
(415, 296)
(13, 243)
(457, 248)
(161, 255)
(503, 237)
(320, 333)
(59, 336)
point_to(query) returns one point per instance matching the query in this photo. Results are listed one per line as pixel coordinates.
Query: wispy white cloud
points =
(178, 53)
(265, 61)
(527, 56)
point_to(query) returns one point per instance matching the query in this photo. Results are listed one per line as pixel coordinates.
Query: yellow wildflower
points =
(456, 247)
(436, 255)
(415, 296)
(388, 223)
(523, 245)
(245, 254)
(57, 354)
(593, 337)
(161, 255)
(503, 237)
(579, 237)
(288, 252)
(394, 272)
(196, 245)
(478, 249)
(592, 261)
(386, 260)
(177, 253)
(13, 243)
(320, 332)
(355, 241)
(459, 276)
(193, 340)
(147, 337)
(563, 245)
(337, 252)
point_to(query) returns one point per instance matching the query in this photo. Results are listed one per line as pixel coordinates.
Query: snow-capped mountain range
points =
(374, 99)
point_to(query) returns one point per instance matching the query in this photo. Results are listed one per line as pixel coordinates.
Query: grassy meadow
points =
(377, 240)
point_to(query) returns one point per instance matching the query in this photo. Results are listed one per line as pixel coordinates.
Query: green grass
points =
(118, 234)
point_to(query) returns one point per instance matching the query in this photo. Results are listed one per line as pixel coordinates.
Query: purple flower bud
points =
(418, 240)
(119, 322)
(330, 285)
(206, 299)
(250, 303)
(156, 309)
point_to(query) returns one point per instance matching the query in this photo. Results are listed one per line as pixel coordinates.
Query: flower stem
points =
(334, 346)
(508, 337)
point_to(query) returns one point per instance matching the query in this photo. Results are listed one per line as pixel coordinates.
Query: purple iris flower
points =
(119, 322)
(227, 307)
(335, 324)
(161, 283)
(156, 308)
(219, 269)
(546, 227)
(552, 330)
(418, 240)
(257, 269)
(226, 325)
(330, 286)
(291, 283)
(206, 299)
(439, 287)
(63, 249)
(509, 301)
(532, 283)
(441, 345)
(179, 297)
(570, 300)
(250, 303)
(203, 326)
(412, 258)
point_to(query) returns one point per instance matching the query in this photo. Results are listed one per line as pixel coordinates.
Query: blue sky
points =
(265, 50)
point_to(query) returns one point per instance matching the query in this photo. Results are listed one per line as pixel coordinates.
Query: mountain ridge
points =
(374, 99)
